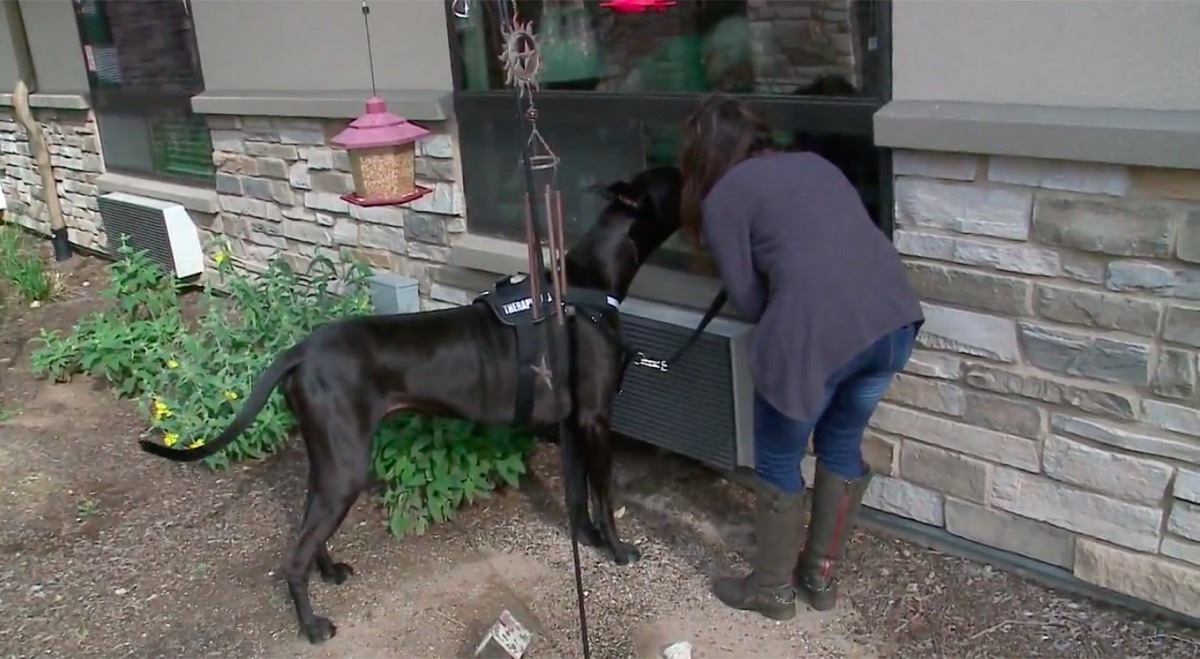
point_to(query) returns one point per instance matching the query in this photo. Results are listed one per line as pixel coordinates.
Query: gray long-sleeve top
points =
(800, 257)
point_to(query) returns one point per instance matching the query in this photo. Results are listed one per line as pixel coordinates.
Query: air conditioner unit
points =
(162, 228)
(702, 406)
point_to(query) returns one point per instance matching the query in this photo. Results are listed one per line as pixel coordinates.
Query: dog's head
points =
(641, 214)
(648, 203)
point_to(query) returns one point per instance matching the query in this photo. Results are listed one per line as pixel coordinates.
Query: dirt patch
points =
(112, 553)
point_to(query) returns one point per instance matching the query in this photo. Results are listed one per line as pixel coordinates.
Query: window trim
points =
(836, 115)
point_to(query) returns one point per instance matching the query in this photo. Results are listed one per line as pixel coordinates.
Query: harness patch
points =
(511, 299)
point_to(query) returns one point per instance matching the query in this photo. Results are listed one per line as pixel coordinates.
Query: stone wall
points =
(280, 182)
(1052, 409)
(74, 156)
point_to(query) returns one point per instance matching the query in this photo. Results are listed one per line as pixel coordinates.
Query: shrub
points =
(191, 376)
(20, 266)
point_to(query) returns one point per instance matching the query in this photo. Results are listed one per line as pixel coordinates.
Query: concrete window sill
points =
(658, 284)
(1150, 138)
(416, 104)
(192, 197)
(51, 101)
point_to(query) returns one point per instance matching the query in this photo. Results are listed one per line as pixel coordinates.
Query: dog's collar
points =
(591, 299)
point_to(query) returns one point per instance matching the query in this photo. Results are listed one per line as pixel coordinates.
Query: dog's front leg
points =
(597, 446)
(575, 479)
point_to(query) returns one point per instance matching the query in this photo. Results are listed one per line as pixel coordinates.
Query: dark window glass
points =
(736, 46)
(616, 87)
(143, 68)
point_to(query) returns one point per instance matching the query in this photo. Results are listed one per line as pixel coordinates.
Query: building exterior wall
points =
(319, 45)
(1085, 53)
(1053, 408)
(53, 39)
(75, 157)
(279, 184)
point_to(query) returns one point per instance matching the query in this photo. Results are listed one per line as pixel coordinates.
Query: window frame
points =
(822, 115)
(149, 106)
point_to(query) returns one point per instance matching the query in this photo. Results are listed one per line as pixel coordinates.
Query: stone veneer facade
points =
(279, 184)
(75, 157)
(1052, 408)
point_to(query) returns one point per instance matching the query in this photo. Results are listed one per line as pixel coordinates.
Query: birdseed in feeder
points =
(382, 172)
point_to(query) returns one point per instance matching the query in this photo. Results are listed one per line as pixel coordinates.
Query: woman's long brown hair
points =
(721, 133)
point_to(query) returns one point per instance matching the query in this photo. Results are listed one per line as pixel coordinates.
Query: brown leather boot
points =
(767, 589)
(835, 504)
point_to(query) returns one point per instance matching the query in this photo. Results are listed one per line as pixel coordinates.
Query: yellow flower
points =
(220, 257)
(230, 395)
(172, 364)
(170, 439)
(196, 444)
(161, 411)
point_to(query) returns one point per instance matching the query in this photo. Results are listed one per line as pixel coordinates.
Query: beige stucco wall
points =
(10, 68)
(1139, 54)
(318, 45)
(53, 37)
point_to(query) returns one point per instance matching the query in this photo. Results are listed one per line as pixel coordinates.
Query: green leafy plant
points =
(25, 273)
(190, 376)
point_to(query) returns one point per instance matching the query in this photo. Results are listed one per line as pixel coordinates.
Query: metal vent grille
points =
(698, 408)
(140, 222)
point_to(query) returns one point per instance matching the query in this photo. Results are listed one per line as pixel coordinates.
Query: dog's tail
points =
(257, 399)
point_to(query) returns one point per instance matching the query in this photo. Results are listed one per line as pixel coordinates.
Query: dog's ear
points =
(658, 190)
(621, 193)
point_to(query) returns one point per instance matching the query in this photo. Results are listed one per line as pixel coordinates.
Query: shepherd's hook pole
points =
(538, 268)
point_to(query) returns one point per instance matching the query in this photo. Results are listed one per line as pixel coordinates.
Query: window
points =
(615, 87)
(143, 69)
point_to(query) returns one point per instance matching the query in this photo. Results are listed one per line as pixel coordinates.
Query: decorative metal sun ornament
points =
(521, 56)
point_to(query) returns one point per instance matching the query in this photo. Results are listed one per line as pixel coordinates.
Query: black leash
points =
(536, 269)
(635, 356)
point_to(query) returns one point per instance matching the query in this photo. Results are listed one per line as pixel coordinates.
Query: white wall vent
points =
(162, 228)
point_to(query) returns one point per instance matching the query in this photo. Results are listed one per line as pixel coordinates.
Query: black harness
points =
(511, 302)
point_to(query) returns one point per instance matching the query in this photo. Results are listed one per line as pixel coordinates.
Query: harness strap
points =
(527, 354)
(713, 309)
(633, 354)
(586, 299)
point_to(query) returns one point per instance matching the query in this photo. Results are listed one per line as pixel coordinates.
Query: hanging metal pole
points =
(522, 62)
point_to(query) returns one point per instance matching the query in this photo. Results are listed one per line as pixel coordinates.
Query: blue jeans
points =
(851, 396)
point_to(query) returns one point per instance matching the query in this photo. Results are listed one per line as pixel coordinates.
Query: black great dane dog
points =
(346, 376)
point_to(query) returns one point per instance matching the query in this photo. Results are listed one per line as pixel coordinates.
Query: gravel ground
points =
(112, 553)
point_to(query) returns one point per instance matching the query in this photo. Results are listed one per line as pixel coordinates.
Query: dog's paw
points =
(338, 574)
(588, 535)
(319, 630)
(624, 553)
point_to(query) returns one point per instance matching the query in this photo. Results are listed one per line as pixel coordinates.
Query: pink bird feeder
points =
(638, 6)
(382, 150)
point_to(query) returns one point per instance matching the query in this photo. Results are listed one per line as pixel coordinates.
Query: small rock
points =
(678, 650)
(35, 304)
(121, 591)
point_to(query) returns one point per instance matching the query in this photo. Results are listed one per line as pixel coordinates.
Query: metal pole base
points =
(62, 246)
